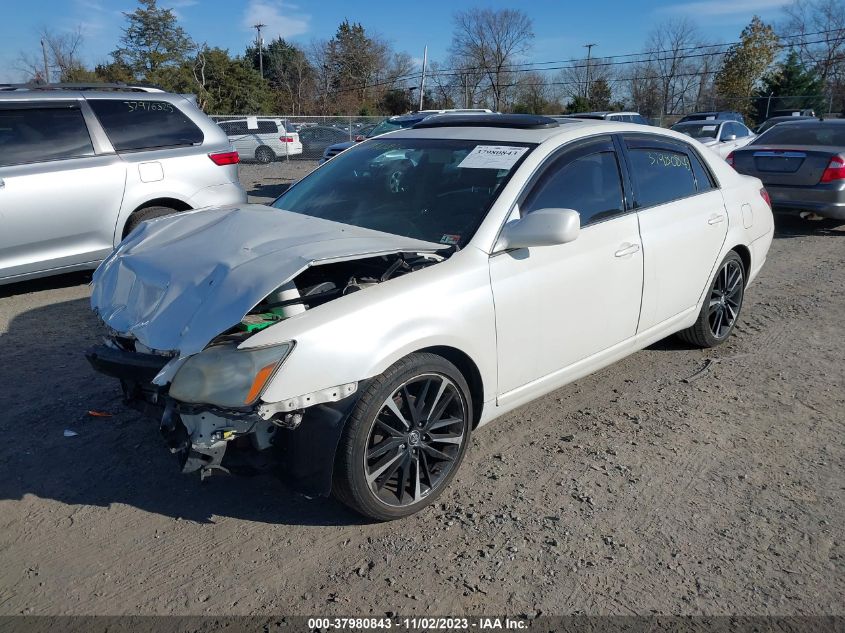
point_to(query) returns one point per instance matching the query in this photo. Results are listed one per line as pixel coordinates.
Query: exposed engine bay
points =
(259, 437)
(320, 284)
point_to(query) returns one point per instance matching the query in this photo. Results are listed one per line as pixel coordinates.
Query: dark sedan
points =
(801, 164)
(316, 138)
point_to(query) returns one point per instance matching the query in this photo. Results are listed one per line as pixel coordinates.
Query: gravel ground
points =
(677, 481)
(264, 183)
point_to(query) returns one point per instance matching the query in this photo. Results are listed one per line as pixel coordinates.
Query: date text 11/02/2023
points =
(417, 623)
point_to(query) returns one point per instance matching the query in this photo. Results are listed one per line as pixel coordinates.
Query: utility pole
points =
(46, 65)
(422, 78)
(589, 48)
(258, 28)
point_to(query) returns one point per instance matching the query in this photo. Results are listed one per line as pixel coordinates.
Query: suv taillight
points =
(225, 158)
(286, 139)
(835, 169)
(730, 159)
(765, 195)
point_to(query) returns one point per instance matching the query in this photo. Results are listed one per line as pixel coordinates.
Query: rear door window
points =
(32, 135)
(662, 172)
(134, 125)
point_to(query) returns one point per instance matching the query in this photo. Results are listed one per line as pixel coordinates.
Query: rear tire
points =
(722, 305)
(390, 465)
(264, 155)
(142, 215)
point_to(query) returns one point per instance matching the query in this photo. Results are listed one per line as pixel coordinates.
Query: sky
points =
(561, 28)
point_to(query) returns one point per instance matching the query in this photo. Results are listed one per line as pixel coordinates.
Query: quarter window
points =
(590, 184)
(661, 175)
(133, 125)
(34, 135)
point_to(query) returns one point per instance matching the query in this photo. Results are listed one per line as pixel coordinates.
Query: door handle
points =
(716, 219)
(626, 250)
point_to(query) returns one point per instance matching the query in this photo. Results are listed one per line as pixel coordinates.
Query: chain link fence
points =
(268, 138)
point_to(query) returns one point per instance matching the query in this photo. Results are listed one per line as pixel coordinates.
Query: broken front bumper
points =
(205, 437)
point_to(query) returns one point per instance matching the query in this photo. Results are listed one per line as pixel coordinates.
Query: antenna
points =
(258, 28)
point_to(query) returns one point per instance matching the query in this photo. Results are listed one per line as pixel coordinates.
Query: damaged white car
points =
(419, 285)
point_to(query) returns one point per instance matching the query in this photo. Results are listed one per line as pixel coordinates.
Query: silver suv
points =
(82, 166)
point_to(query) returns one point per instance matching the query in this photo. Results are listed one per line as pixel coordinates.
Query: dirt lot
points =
(650, 487)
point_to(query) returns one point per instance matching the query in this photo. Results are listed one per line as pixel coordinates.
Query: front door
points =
(557, 305)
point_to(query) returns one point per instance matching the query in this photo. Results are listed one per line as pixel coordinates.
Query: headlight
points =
(226, 376)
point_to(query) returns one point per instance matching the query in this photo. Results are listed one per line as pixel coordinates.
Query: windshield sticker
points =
(492, 157)
(451, 240)
(709, 128)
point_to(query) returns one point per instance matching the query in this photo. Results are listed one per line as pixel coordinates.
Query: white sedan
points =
(418, 286)
(722, 137)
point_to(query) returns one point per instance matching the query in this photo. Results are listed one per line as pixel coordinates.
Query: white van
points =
(262, 139)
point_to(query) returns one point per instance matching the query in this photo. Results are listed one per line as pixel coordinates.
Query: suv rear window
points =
(32, 135)
(132, 125)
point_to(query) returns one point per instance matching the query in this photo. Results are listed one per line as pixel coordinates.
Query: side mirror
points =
(359, 138)
(544, 227)
(729, 137)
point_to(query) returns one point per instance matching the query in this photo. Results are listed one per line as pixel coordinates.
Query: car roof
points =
(75, 95)
(706, 122)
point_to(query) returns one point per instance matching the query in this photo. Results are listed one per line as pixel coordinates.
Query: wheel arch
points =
(470, 372)
(745, 255)
(172, 203)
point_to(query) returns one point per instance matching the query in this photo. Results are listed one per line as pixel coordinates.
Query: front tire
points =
(405, 438)
(722, 305)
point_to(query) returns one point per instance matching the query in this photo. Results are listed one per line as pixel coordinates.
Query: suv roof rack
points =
(138, 87)
(515, 121)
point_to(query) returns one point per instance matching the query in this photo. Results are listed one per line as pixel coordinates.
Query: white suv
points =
(82, 167)
(262, 139)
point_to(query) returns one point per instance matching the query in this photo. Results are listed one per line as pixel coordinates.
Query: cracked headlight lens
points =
(226, 376)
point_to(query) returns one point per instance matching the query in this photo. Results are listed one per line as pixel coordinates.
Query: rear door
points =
(60, 192)
(683, 224)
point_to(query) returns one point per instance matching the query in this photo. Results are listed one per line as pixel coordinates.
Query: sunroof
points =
(515, 121)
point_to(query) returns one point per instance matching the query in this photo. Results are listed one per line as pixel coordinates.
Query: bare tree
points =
(573, 80)
(816, 30)
(673, 56)
(491, 42)
(63, 51)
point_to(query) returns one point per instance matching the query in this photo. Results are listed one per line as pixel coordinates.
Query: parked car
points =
(316, 138)
(418, 286)
(620, 117)
(82, 166)
(390, 124)
(722, 137)
(262, 139)
(773, 121)
(714, 115)
(806, 112)
(802, 164)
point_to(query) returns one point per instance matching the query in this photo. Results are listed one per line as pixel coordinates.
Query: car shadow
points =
(67, 280)
(55, 449)
(271, 191)
(788, 226)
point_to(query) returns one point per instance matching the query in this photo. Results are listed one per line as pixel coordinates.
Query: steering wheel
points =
(396, 180)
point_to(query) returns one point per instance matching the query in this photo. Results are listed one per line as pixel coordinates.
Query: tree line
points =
(796, 63)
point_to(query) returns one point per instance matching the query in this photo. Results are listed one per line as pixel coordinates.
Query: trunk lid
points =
(784, 165)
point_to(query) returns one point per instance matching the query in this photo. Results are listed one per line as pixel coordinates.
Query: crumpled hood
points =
(177, 282)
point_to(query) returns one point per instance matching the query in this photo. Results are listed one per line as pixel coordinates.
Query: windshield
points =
(389, 126)
(438, 190)
(804, 134)
(698, 130)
